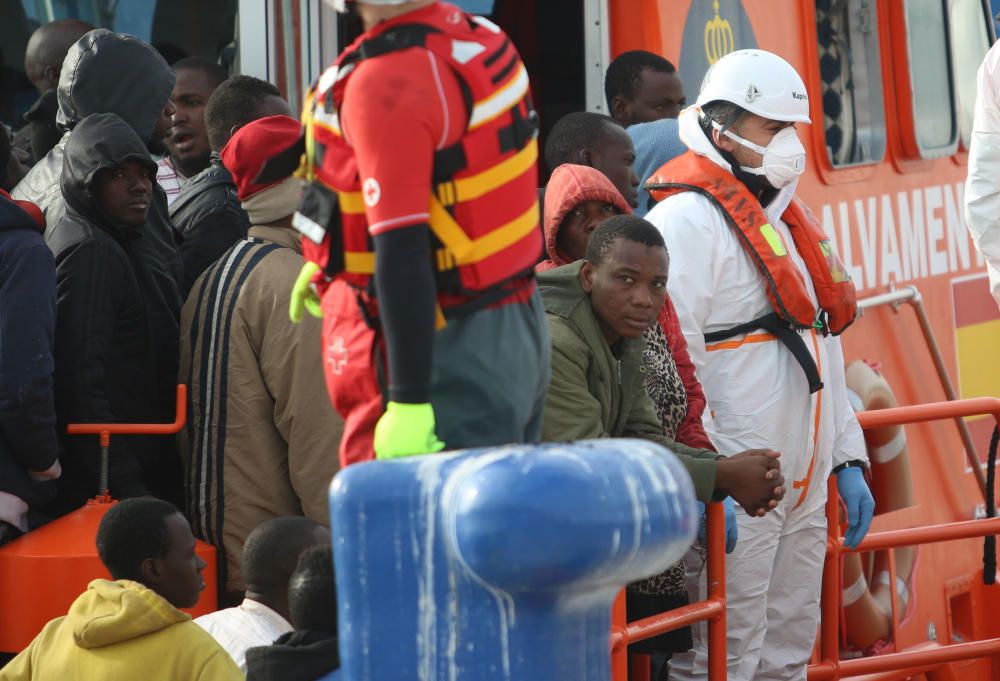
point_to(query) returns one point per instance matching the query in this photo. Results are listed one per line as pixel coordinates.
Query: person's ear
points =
(150, 571)
(585, 158)
(587, 277)
(620, 109)
(723, 141)
(51, 73)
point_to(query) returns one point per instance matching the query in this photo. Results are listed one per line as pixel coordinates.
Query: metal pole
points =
(830, 596)
(911, 295)
(716, 532)
(103, 486)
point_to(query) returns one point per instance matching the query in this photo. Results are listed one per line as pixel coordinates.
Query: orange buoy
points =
(872, 605)
(42, 572)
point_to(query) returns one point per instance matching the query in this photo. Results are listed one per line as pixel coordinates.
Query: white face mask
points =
(784, 156)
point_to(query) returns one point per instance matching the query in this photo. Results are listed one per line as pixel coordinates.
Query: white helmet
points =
(760, 82)
(341, 5)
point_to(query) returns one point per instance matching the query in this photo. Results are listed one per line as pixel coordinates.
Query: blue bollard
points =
(500, 563)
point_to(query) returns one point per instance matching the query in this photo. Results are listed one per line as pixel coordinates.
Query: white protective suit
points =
(982, 187)
(758, 397)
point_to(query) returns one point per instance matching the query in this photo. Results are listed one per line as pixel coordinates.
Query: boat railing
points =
(830, 667)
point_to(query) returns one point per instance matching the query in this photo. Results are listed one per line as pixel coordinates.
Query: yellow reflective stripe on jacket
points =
(363, 262)
(466, 189)
(359, 262)
(351, 203)
(504, 99)
(467, 251)
(459, 248)
(307, 171)
(471, 188)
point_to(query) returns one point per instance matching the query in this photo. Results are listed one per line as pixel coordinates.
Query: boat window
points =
(970, 40)
(930, 76)
(851, 79)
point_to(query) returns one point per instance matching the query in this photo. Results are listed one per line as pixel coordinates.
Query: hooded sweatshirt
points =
(122, 630)
(599, 390)
(572, 185)
(28, 440)
(296, 656)
(112, 365)
(107, 72)
(569, 186)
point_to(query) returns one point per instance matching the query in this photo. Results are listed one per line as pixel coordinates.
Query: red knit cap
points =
(252, 145)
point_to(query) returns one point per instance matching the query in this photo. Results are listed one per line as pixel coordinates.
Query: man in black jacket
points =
(107, 353)
(29, 450)
(106, 72)
(207, 212)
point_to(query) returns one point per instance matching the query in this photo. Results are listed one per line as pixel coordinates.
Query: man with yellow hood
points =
(131, 628)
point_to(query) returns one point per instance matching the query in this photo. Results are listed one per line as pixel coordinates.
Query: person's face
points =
(614, 156)
(124, 193)
(188, 142)
(752, 128)
(660, 95)
(579, 224)
(161, 130)
(176, 576)
(627, 289)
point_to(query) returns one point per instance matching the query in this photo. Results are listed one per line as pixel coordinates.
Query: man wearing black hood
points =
(107, 314)
(106, 72)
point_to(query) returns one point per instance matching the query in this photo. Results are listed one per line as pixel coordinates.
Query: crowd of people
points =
(666, 284)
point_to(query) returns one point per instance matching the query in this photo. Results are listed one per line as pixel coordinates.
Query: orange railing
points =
(712, 610)
(916, 660)
(926, 657)
(106, 430)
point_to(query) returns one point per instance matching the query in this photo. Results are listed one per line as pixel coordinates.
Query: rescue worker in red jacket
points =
(421, 225)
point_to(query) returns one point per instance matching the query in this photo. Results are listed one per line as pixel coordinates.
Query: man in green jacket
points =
(597, 310)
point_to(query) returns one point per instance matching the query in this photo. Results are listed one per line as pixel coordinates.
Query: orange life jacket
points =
(484, 210)
(786, 287)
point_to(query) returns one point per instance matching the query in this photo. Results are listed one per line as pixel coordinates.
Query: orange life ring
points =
(867, 595)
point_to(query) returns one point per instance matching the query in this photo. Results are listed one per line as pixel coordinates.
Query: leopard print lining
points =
(663, 381)
(665, 386)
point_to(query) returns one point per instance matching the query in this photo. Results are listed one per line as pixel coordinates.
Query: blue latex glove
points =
(732, 529)
(860, 504)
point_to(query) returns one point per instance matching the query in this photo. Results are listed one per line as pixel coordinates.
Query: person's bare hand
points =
(753, 478)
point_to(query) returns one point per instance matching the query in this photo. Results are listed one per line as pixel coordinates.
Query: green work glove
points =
(406, 430)
(304, 295)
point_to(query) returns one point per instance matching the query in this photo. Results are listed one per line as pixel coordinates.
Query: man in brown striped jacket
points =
(262, 438)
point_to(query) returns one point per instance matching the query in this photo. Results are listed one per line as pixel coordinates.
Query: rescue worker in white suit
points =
(761, 296)
(982, 187)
